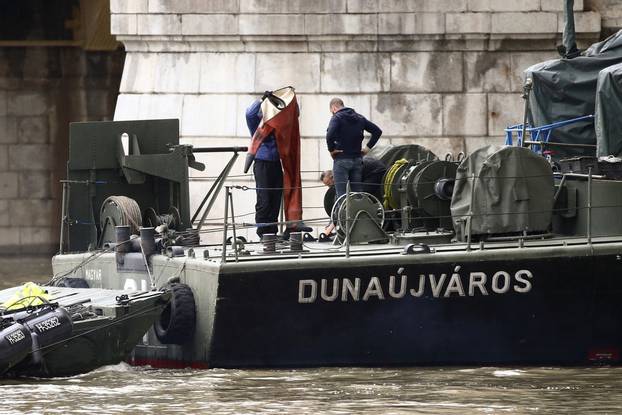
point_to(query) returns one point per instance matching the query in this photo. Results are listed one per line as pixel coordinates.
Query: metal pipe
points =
(235, 237)
(224, 233)
(470, 218)
(549, 144)
(63, 218)
(589, 205)
(216, 188)
(526, 90)
(569, 36)
(282, 213)
(234, 149)
(348, 219)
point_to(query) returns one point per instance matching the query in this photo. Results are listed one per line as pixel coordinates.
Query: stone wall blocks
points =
(315, 115)
(292, 6)
(584, 22)
(159, 24)
(464, 114)
(300, 70)
(426, 72)
(127, 107)
(503, 5)
(35, 185)
(156, 106)
(177, 73)
(521, 61)
(4, 217)
(558, 6)
(504, 110)
(411, 23)
(227, 72)
(38, 239)
(355, 72)
(123, 24)
(209, 24)
(272, 24)
(27, 103)
(129, 6)
(3, 103)
(4, 157)
(487, 71)
(8, 130)
(422, 5)
(30, 157)
(408, 114)
(32, 130)
(140, 72)
(209, 115)
(8, 185)
(310, 149)
(467, 23)
(32, 212)
(10, 235)
(362, 6)
(194, 6)
(524, 23)
(346, 24)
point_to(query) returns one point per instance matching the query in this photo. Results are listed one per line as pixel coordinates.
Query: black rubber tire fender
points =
(177, 321)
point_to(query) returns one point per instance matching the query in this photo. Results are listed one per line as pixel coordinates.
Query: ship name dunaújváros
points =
(397, 286)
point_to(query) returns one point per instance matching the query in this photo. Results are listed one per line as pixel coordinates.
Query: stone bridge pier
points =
(445, 74)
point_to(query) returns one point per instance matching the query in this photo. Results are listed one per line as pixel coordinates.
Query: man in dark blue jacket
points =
(268, 175)
(344, 138)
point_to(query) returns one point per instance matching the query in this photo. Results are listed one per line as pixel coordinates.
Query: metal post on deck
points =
(282, 212)
(235, 237)
(224, 233)
(589, 205)
(63, 217)
(348, 219)
(470, 218)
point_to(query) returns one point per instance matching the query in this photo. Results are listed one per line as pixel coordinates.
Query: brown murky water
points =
(139, 390)
(131, 390)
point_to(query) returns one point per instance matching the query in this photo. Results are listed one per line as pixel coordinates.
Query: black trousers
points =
(269, 184)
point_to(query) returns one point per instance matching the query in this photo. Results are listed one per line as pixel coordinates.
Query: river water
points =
(132, 390)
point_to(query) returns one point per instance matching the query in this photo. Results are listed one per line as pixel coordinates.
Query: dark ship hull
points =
(104, 331)
(548, 302)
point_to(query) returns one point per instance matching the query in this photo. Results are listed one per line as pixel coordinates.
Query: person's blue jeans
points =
(345, 169)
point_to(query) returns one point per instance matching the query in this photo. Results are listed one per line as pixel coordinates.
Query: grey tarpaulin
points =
(566, 88)
(513, 192)
(609, 112)
(390, 153)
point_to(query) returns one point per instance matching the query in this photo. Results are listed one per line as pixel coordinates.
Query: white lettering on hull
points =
(431, 285)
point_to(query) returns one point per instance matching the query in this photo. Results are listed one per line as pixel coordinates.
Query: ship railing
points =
(231, 225)
(539, 137)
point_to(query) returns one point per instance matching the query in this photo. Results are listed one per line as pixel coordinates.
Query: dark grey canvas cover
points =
(513, 192)
(609, 112)
(566, 88)
(390, 153)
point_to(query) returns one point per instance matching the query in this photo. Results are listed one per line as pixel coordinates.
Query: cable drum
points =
(359, 202)
(119, 210)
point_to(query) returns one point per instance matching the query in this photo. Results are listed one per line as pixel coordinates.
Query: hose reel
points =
(422, 191)
(116, 211)
(365, 215)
